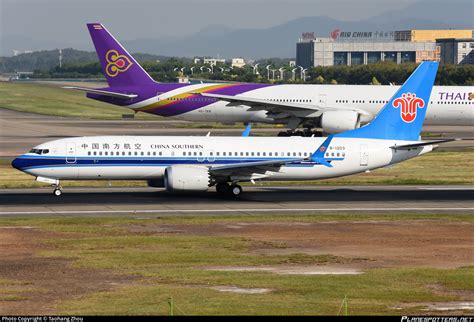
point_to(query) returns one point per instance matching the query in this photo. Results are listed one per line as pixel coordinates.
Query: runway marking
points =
(137, 211)
(439, 188)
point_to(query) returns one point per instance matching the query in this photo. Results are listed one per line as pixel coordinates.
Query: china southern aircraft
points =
(334, 108)
(187, 163)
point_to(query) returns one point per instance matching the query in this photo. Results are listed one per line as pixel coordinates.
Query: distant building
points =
(213, 61)
(197, 60)
(456, 50)
(292, 63)
(356, 48)
(19, 52)
(238, 62)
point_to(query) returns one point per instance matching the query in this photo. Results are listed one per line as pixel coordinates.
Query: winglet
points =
(246, 132)
(318, 155)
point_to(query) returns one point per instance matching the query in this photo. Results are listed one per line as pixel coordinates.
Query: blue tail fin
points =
(402, 117)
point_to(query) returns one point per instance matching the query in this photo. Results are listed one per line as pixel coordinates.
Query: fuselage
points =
(146, 158)
(449, 105)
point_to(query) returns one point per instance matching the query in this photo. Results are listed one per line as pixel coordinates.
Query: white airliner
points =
(195, 163)
(333, 108)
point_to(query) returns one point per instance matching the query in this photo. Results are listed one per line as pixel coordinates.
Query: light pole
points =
(304, 74)
(192, 68)
(182, 70)
(293, 73)
(273, 73)
(175, 69)
(201, 68)
(301, 72)
(282, 71)
(268, 71)
(255, 68)
(222, 69)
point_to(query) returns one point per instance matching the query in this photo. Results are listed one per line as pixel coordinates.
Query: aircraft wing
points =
(102, 92)
(253, 167)
(250, 170)
(292, 108)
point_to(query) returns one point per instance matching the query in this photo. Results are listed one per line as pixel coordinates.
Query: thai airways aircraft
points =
(187, 163)
(334, 108)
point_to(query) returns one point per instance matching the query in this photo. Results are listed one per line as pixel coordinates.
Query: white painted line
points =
(138, 211)
(446, 189)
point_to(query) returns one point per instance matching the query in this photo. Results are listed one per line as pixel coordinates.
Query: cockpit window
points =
(39, 151)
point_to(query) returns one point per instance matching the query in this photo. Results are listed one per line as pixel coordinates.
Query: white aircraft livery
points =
(333, 108)
(187, 163)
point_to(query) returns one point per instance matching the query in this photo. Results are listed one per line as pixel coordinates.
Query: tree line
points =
(82, 64)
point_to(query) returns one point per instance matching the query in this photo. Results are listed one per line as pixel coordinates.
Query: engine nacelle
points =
(186, 178)
(339, 121)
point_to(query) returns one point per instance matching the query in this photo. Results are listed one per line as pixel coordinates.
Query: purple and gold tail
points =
(119, 67)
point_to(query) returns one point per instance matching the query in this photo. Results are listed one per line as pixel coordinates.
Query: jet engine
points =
(187, 178)
(339, 121)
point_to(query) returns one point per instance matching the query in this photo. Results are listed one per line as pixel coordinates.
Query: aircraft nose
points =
(16, 163)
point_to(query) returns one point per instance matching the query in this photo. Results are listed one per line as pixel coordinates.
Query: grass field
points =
(439, 167)
(54, 100)
(173, 265)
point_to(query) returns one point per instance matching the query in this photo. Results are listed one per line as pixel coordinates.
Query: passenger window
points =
(223, 153)
(123, 152)
(129, 153)
(100, 152)
(89, 153)
(106, 153)
(95, 153)
(143, 153)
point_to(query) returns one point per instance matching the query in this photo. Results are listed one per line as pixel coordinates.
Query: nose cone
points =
(16, 163)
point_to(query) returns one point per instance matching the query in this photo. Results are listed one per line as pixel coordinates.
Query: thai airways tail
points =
(119, 67)
(403, 116)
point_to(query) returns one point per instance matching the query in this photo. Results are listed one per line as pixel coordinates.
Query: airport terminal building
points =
(356, 48)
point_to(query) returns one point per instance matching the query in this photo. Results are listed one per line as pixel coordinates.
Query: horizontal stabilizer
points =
(102, 92)
(416, 145)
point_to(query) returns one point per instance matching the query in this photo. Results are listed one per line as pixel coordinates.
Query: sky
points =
(64, 20)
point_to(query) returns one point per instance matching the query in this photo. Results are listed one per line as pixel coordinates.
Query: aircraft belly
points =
(121, 172)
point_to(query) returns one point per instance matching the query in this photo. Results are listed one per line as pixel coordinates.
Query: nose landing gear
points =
(58, 190)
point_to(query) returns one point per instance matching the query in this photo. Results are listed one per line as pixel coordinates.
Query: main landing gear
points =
(226, 189)
(305, 133)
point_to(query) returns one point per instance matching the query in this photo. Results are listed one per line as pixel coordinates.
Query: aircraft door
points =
(322, 100)
(70, 152)
(364, 155)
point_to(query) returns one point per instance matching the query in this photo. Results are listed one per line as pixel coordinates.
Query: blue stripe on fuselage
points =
(35, 162)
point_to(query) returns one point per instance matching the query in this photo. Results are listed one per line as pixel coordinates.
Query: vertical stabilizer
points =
(403, 116)
(119, 67)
